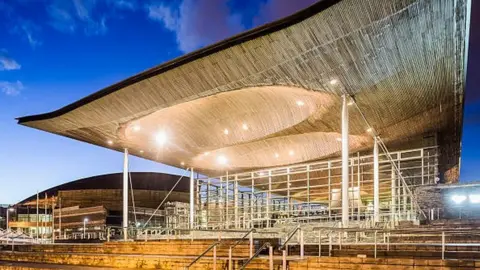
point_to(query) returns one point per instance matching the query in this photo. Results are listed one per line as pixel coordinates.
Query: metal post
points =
(376, 182)
(394, 188)
(270, 257)
(235, 199)
(230, 264)
(284, 260)
(359, 199)
(8, 218)
(345, 152)
(329, 190)
(60, 217)
(330, 244)
(227, 190)
(308, 194)
(192, 199)
(125, 195)
(375, 240)
(423, 169)
(302, 244)
(269, 197)
(215, 258)
(250, 240)
(320, 243)
(443, 245)
(288, 193)
(251, 202)
(208, 202)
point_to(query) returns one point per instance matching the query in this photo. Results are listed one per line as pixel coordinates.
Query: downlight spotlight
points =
(458, 199)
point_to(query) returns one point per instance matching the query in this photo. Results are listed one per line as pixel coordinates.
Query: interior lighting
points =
(333, 82)
(161, 138)
(300, 103)
(291, 153)
(245, 126)
(136, 128)
(276, 155)
(109, 142)
(350, 103)
(474, 198)
(225, 131)
(369, 129)
(141, 151)
(339, 139)
(222, 160)
(458, 199)
(182, 163)
(206, 153)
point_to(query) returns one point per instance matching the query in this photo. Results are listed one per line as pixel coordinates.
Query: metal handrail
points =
(203, 254)
(294, 231)
(242, 239)
(263, 247)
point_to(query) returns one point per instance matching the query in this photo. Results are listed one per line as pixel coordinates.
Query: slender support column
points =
(288, 193)
(394, 191)
(376, 183)
(125, 195)
(38, 216)
(359, 199)
(269, 197)
(329, 190)
(235, 199)
(208, 202)
(251, 200)
(345, 150)
(227, 200)
(308, 193)
(423, 167)
(192, 199)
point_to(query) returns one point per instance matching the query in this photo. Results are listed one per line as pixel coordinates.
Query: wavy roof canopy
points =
(271, 89)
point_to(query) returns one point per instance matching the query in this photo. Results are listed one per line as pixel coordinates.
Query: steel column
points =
(345, 153)
(192, 199)
(125, 195)
(376, 183)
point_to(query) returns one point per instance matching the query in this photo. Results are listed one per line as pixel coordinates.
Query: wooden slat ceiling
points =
(402, 61)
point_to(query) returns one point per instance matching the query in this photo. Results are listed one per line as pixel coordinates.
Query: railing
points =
(263, 247)
(289, 237)
(214, 247)
(250, 236)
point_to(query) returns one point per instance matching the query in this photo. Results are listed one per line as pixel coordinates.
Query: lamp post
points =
(84, 226)
(10, 209)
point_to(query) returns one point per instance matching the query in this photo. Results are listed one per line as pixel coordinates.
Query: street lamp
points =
(84, 226)
(8, 216)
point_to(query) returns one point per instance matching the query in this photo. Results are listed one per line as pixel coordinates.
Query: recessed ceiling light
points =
(182, 163)
(225, 131)
(291, 153)
(350, 103)
(161, 138)
(136, 128)
(141, 151)
(369, 129)
(110, 142)
(222, 160)
(339, 139)
(333, 82)
(206, 153)
(300, 103)
(245, 127)
(276, 155)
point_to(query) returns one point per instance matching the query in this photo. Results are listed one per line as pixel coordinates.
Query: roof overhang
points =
(271, 88)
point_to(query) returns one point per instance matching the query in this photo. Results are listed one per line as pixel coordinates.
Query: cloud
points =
(124, 4)
(6, 62)
(197, 23)
(275, 9)
(28, 31)
(11, 88)
(60, 19)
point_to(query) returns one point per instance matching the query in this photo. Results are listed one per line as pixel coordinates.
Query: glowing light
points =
(300, 103)
(141, 151)
(136, 128)
(474, 198)
(245, 127)
(276, 155)
(350, 103)
(85, 220)
(333, 82)
(109, 142)
(369, 129)
(458, 199)
(161, 138)
(261, 173)
(225, 131)
(222, 160)
(182, 163)
(339, 139)
(291, 153)
(206, 153)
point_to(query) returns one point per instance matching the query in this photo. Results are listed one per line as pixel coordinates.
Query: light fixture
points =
(206, 153)
(182, 163)
(333, 82)
(276, 155)
(369, 129)
(300, 103)
(245, 126)
(161, 138)
(474, 198)
(350, 103)
(291, 153)
(260, 173)
(222, 160)
(225, 131)
(109, 142)
(339, 139)
(458, 199)
(141, 151)
(85, 220)
(136, 128)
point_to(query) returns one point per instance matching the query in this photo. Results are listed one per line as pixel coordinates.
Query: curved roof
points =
(140, 181)
(272, 96)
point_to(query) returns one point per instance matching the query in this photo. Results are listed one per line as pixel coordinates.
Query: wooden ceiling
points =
(401, 60)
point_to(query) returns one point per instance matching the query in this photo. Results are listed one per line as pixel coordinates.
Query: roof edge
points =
(190, 57)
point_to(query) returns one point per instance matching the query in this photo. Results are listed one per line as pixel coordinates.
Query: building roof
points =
(272, 89)
(140, 181)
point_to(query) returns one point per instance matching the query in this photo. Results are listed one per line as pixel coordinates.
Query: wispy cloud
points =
(11, 88)
(29, 32)
(124, 4)
(6, 62)
(197, 23)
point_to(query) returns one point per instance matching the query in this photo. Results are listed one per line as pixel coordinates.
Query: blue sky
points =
(54, 52)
